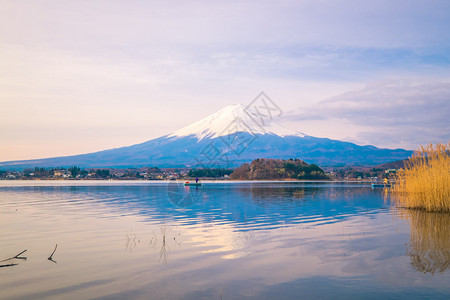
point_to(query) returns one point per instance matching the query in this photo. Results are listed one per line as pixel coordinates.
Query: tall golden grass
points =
(424, 183)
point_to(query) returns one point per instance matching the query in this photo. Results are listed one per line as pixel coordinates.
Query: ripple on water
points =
(132, 239)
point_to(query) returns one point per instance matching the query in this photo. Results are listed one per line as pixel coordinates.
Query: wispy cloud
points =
(397, 112)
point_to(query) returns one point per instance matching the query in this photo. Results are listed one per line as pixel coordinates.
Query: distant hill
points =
(393, 165)
(268, 169)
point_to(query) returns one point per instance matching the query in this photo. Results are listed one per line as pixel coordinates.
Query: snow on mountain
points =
(232, 119)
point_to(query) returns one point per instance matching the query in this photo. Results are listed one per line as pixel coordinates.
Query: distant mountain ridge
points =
(228, 138)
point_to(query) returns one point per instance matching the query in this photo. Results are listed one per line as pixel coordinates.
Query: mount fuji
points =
(234, 135)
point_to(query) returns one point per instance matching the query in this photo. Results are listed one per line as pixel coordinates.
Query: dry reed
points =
(424, 183)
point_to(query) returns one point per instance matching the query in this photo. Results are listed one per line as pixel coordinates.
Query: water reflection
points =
(161, 240)
(165, 239)
(183, 196)
(249, 206)
(429, 246)
(231, 240)
(131, 240)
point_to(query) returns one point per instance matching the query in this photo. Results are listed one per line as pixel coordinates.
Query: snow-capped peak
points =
(232, 119)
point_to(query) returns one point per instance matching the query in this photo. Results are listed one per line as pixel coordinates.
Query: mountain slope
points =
(228, 138)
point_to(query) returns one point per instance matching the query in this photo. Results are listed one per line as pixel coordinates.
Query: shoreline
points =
(12, 183)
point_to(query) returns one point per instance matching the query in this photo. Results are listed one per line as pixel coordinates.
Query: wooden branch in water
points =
(8, 265)
(51, 255)
(16, 257)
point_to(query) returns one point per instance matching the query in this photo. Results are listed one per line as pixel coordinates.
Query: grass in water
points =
(424, 183)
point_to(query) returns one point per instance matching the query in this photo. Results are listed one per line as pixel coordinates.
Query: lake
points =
(224, 240)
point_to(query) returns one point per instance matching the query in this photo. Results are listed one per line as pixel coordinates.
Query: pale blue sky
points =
(81, 76)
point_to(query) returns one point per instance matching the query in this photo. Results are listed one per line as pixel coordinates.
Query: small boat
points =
(380, 185)
(187, 183)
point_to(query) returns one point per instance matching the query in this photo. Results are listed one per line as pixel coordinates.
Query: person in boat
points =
(196, 180)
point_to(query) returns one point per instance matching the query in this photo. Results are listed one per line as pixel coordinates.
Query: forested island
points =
(273, 169)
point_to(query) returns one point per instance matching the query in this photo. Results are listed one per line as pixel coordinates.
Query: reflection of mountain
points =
(253, 205)
(314, 203)
(248, 206)
(429, 247)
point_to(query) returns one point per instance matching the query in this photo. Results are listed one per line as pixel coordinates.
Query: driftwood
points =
(50, 258)
(14, 257)
(8, 265)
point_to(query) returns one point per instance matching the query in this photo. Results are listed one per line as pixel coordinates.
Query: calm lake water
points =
(227, 240)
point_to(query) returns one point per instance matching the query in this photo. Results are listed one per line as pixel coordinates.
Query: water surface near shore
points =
(224, 240)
